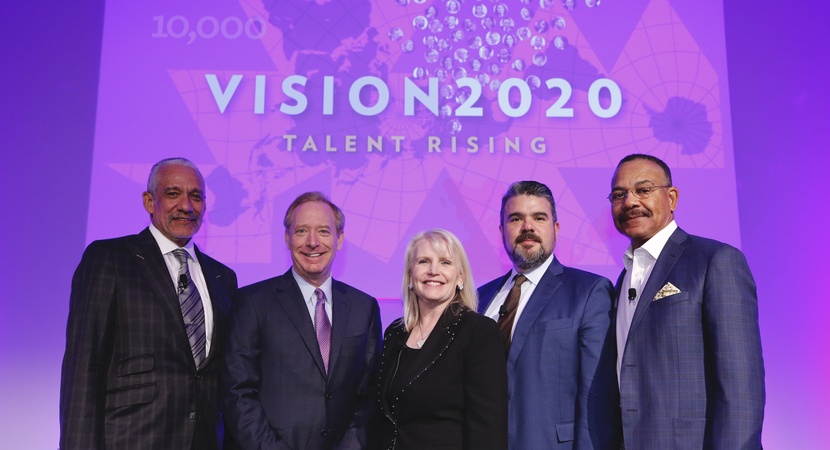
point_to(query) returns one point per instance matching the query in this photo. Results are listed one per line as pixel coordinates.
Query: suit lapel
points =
(213, 279)
(487, 297)
(154, 271)
(340, 310)
(290, 298)
(665, 262)
(537, 302)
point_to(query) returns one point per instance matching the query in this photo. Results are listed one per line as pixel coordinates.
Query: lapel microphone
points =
(632, 294)
(503, 310)
(182, 282)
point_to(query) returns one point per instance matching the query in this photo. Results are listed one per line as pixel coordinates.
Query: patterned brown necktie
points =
(509, 310)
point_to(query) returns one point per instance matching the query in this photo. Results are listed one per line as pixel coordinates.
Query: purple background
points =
(779, 116)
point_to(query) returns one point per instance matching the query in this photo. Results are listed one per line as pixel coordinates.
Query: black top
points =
(452, 393)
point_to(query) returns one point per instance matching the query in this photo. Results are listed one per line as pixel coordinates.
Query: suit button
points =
(329, 396)
(192, 415)
(324, 433)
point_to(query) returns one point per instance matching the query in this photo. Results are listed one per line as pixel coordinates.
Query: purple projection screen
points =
(409, 115)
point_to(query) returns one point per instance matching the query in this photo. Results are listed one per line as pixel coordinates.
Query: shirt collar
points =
(308, 289)
(166, 245)
(535, 275)
(653, 246)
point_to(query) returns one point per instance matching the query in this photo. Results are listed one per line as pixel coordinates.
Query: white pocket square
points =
(665, 291)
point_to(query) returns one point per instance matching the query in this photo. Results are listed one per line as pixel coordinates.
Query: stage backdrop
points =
(777, 53)
(411, 114)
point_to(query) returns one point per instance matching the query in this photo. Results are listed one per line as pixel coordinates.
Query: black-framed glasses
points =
(641, 193)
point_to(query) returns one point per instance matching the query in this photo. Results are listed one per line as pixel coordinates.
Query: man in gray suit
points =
(303, 348)
(689, 363)
(146, 328)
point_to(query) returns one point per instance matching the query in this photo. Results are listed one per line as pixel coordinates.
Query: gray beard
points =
(528, 262)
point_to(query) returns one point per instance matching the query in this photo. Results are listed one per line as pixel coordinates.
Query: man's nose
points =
(630, 199)
(185, 203)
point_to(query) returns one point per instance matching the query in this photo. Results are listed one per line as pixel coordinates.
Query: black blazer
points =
(455, 394)
(128, 379)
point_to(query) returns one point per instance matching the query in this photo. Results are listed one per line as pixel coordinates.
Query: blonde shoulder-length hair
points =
(444, 243)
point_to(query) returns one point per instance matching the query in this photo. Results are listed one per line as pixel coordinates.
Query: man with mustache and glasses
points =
(689, 362)
(146, 326)
(556, 327)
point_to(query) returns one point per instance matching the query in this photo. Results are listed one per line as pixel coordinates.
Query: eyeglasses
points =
(641, 193)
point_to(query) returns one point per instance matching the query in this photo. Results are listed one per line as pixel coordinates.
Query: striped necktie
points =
(192, 311)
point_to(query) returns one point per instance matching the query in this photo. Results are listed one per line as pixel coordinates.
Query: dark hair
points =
(533, 188)
(314, 196)
(654, 159)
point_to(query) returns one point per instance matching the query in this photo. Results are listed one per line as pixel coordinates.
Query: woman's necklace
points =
(420, 342)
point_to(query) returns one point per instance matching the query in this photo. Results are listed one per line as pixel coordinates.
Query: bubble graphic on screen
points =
(453, 7)
(534, 82)
(485, 52)
(431, 56)
(479, 10)
(395, 34)
(518, 64)
(420, 22)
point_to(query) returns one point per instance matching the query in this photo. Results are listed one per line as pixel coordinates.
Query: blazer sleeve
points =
(355, 437)
(485, 389)
(597, 418)
(241, 377)
(735, 384)
(88, 349)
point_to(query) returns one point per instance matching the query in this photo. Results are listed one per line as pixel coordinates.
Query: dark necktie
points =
(192, 311)
(322, 327)
(507, 314)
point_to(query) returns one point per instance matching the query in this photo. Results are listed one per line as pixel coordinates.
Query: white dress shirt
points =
(310, 297)
(167, 246)
(533, 278)
(638, 266)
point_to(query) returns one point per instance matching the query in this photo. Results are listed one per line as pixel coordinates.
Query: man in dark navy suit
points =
(303, 347)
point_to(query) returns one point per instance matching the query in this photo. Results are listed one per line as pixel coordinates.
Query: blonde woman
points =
(442, 381)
